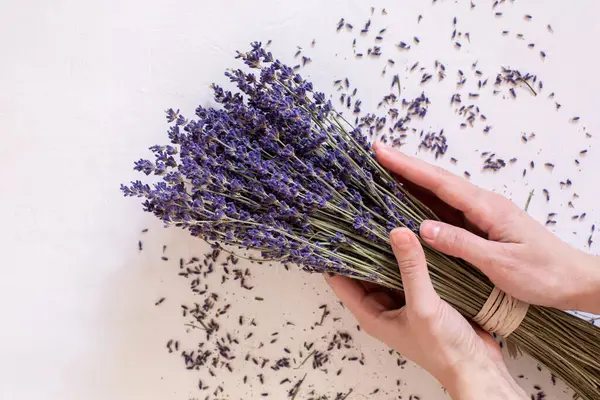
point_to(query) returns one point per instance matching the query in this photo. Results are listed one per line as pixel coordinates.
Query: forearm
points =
(485, 381)
(588, 298)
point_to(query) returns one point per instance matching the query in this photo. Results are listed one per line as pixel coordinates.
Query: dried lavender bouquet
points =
(276, 169)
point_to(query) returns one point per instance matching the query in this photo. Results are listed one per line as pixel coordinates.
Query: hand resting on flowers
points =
(509, 246)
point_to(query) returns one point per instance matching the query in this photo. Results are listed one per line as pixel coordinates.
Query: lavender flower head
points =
(275, 169)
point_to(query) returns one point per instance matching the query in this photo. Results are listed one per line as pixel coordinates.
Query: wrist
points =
(483, 380)
(588, 295)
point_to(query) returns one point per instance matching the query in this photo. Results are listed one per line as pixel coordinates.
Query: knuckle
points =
(509, 253)
(428, 315)
(455, 239)
(489, 263)
(409, 268)
(509, 257)
(502, 257)
(443, 173)
(501, 203)
(442, 176)
(496, 198)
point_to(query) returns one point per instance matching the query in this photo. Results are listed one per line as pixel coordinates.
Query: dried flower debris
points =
(508, 83)
(219, 351)
(222, 350)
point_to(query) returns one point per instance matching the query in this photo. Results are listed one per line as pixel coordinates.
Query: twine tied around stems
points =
(501, 313)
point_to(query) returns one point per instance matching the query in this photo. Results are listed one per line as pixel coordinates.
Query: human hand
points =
(520, 256)
(428, 330)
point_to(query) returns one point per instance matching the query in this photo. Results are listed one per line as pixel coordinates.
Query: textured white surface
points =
(83, 86)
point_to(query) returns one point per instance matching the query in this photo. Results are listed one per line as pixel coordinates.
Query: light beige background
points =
(83, 86)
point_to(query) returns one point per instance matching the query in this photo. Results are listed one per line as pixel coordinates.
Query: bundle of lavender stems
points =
(275, 169)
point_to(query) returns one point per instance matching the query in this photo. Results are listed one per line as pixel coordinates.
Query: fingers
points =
(365, 307)
(448, 187)
(477, 204)
(458, 242)
(418, 289)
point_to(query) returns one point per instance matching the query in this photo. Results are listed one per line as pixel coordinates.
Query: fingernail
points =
(400, 236)
(430, 230)
(379, 147)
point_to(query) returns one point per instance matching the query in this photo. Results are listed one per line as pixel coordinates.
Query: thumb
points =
(419, 293)
(458, 242)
